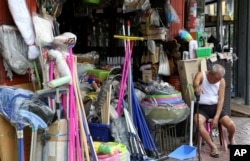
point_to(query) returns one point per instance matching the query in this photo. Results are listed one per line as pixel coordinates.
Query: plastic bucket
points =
(183, 152)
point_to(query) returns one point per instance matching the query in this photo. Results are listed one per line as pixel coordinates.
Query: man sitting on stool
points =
(210, 86)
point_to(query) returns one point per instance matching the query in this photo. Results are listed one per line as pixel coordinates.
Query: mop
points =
(35, 122)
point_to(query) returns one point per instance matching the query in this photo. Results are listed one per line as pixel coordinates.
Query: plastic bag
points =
(133, 5)
(170, 13)
(39, 108)
(155, 18)
(43, 30)
(14, 50)
(164, 68)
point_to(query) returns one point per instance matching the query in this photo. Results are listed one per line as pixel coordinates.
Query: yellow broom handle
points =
(128, 37)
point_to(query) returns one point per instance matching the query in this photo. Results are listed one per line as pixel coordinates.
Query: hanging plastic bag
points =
(133, 5)
(170, 13)
(164, 68)
(155, 18)
(14, 50)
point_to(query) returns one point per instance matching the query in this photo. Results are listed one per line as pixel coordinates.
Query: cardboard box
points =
(188, 68)
(147, 75)
(56, 145)
(8, 141)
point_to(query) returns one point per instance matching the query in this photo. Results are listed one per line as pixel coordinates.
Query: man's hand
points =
(198, 90)
(214, 122)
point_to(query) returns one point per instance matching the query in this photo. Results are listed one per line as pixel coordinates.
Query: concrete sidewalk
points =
(242, 136)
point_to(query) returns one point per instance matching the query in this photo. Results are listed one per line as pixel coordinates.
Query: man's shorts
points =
(208, 111)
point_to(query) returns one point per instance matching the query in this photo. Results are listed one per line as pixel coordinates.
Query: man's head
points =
(216, 73)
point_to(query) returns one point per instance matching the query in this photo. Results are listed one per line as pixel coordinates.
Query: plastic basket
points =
(203, 52)
(100, 132)
(183, 152)
(99, 74)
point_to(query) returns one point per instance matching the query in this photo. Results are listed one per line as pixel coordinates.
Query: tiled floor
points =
(242, 136)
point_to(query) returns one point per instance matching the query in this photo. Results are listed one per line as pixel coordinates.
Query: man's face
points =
(213, 77)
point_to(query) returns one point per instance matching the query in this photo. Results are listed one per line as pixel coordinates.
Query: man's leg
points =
(228, 123)
(205, 135)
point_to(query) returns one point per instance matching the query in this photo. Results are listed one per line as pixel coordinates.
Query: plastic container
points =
(203, 52)
(108, 157)
(100, 132)
(183, 152)
(124, 154)
(99, 74)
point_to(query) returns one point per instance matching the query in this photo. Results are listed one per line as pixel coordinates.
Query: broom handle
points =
(84, 121)
(198, 129)
(191, 124)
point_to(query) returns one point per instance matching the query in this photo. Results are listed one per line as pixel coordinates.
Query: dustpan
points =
(186, 151)
(183, 152)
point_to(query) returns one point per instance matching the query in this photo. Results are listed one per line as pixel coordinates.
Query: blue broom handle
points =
(20, 145)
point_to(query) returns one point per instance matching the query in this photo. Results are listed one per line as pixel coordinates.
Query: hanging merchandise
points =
(193, 44)
(14, 51)
(43, 30)
(133, 5)
(155, 18)
(23, 21)
(185, 35)
(170, 13)
(192, 7)
(164, 68)
(152, 26)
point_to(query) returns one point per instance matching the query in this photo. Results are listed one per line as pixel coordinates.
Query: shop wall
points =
(179, 6)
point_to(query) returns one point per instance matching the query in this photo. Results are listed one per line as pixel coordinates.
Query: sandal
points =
(214, 153)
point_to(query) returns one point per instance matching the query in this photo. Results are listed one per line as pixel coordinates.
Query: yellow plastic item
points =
(128, 37)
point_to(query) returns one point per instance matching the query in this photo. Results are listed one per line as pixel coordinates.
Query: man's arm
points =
(197, 82)
(221, 94)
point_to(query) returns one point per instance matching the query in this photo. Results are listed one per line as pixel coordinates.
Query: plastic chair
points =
(222, 134)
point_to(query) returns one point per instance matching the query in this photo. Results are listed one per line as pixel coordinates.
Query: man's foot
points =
(214, 152)
(232, 142)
